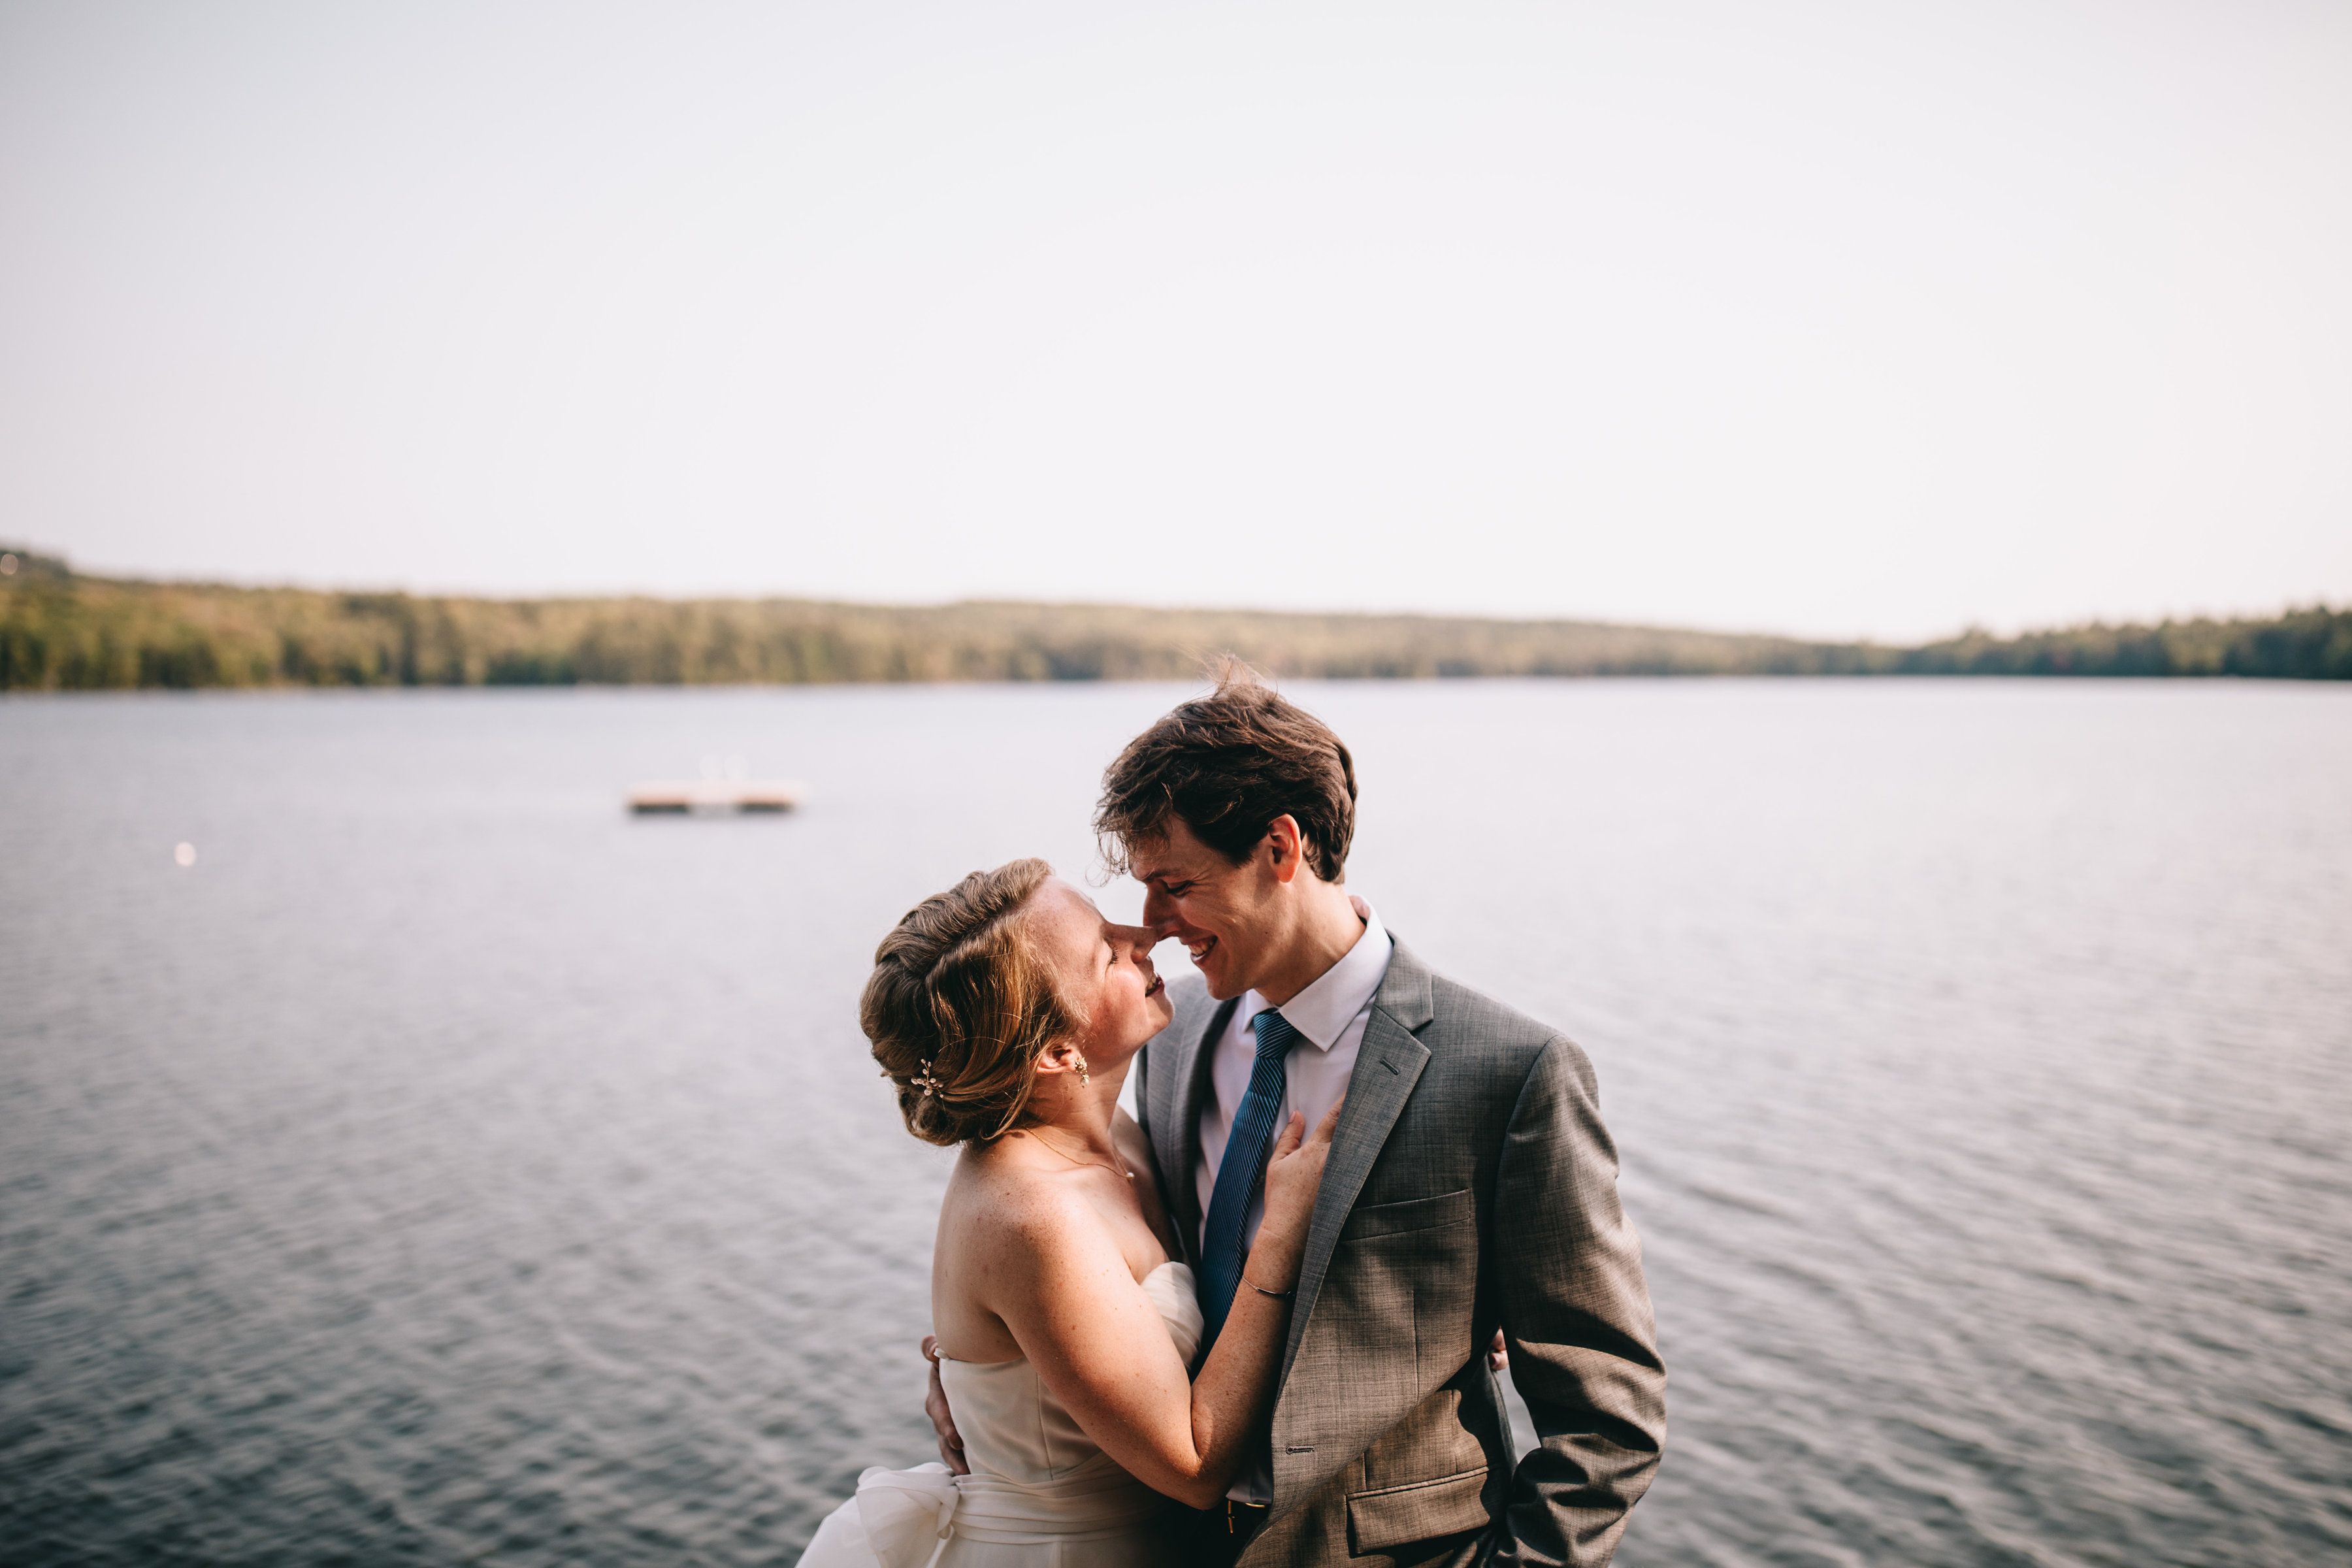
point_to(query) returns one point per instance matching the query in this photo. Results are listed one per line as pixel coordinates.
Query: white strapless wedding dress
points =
(1040, 1495)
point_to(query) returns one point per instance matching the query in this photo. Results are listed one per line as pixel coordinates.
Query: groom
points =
(1471, 1185)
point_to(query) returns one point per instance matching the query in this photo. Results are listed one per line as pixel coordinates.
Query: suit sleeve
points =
(1576, 1314)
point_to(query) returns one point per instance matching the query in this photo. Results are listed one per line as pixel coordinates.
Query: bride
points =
(1006, 1012)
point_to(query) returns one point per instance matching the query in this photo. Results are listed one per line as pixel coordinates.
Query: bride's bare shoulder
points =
(1000, 1199)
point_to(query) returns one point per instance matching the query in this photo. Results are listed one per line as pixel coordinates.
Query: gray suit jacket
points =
(1471, 1183)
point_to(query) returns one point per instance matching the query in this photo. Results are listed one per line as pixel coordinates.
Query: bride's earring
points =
(1084, 1078)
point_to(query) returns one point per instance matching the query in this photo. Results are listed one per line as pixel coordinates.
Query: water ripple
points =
(445, 1168)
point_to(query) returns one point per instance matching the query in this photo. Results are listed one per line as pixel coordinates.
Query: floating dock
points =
(714, 797)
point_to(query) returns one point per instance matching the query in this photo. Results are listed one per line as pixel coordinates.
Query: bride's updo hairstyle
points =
(958, 985)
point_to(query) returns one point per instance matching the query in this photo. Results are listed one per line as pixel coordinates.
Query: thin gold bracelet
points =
(1277, 1295)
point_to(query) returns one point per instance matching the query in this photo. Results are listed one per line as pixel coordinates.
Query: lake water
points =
(447, 1167)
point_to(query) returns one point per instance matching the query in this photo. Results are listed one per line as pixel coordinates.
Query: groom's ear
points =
(1283, 846)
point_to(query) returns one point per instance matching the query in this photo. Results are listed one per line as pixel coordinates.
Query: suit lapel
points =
(1387, 1065)
(1179, 1085)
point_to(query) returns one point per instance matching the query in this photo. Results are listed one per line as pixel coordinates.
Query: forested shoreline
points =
(61, 630)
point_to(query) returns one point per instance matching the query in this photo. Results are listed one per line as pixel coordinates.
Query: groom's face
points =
(1224, 914)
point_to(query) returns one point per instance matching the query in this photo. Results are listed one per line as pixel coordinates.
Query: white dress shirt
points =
(1330, 1016)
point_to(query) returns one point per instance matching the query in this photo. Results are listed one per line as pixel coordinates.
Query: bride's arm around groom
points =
(1471, 1186)
(1005, 1013)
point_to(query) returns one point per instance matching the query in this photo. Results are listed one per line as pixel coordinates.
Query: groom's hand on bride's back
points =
(935, 1406)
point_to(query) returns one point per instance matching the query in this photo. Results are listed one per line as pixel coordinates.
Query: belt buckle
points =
(1232, 1504)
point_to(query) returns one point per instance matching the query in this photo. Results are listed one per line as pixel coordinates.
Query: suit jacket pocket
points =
(1413, 1214)
(1422, 1510)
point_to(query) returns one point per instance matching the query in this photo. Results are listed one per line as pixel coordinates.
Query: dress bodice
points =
(1014, 1426)
(1040, 1495)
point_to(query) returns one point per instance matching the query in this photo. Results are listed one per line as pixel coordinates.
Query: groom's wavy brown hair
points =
(961, 996)
(1229, 763)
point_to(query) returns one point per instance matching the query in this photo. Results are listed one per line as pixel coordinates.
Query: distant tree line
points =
(63, 631)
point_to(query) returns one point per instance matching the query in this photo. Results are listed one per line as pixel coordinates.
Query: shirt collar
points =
(1323, 1010)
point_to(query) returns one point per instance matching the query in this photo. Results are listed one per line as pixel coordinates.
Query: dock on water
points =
(714, 797)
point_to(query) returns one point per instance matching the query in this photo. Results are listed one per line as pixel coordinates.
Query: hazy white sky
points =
(1872, 318)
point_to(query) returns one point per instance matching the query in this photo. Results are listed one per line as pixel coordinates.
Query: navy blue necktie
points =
(1241, 1173)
